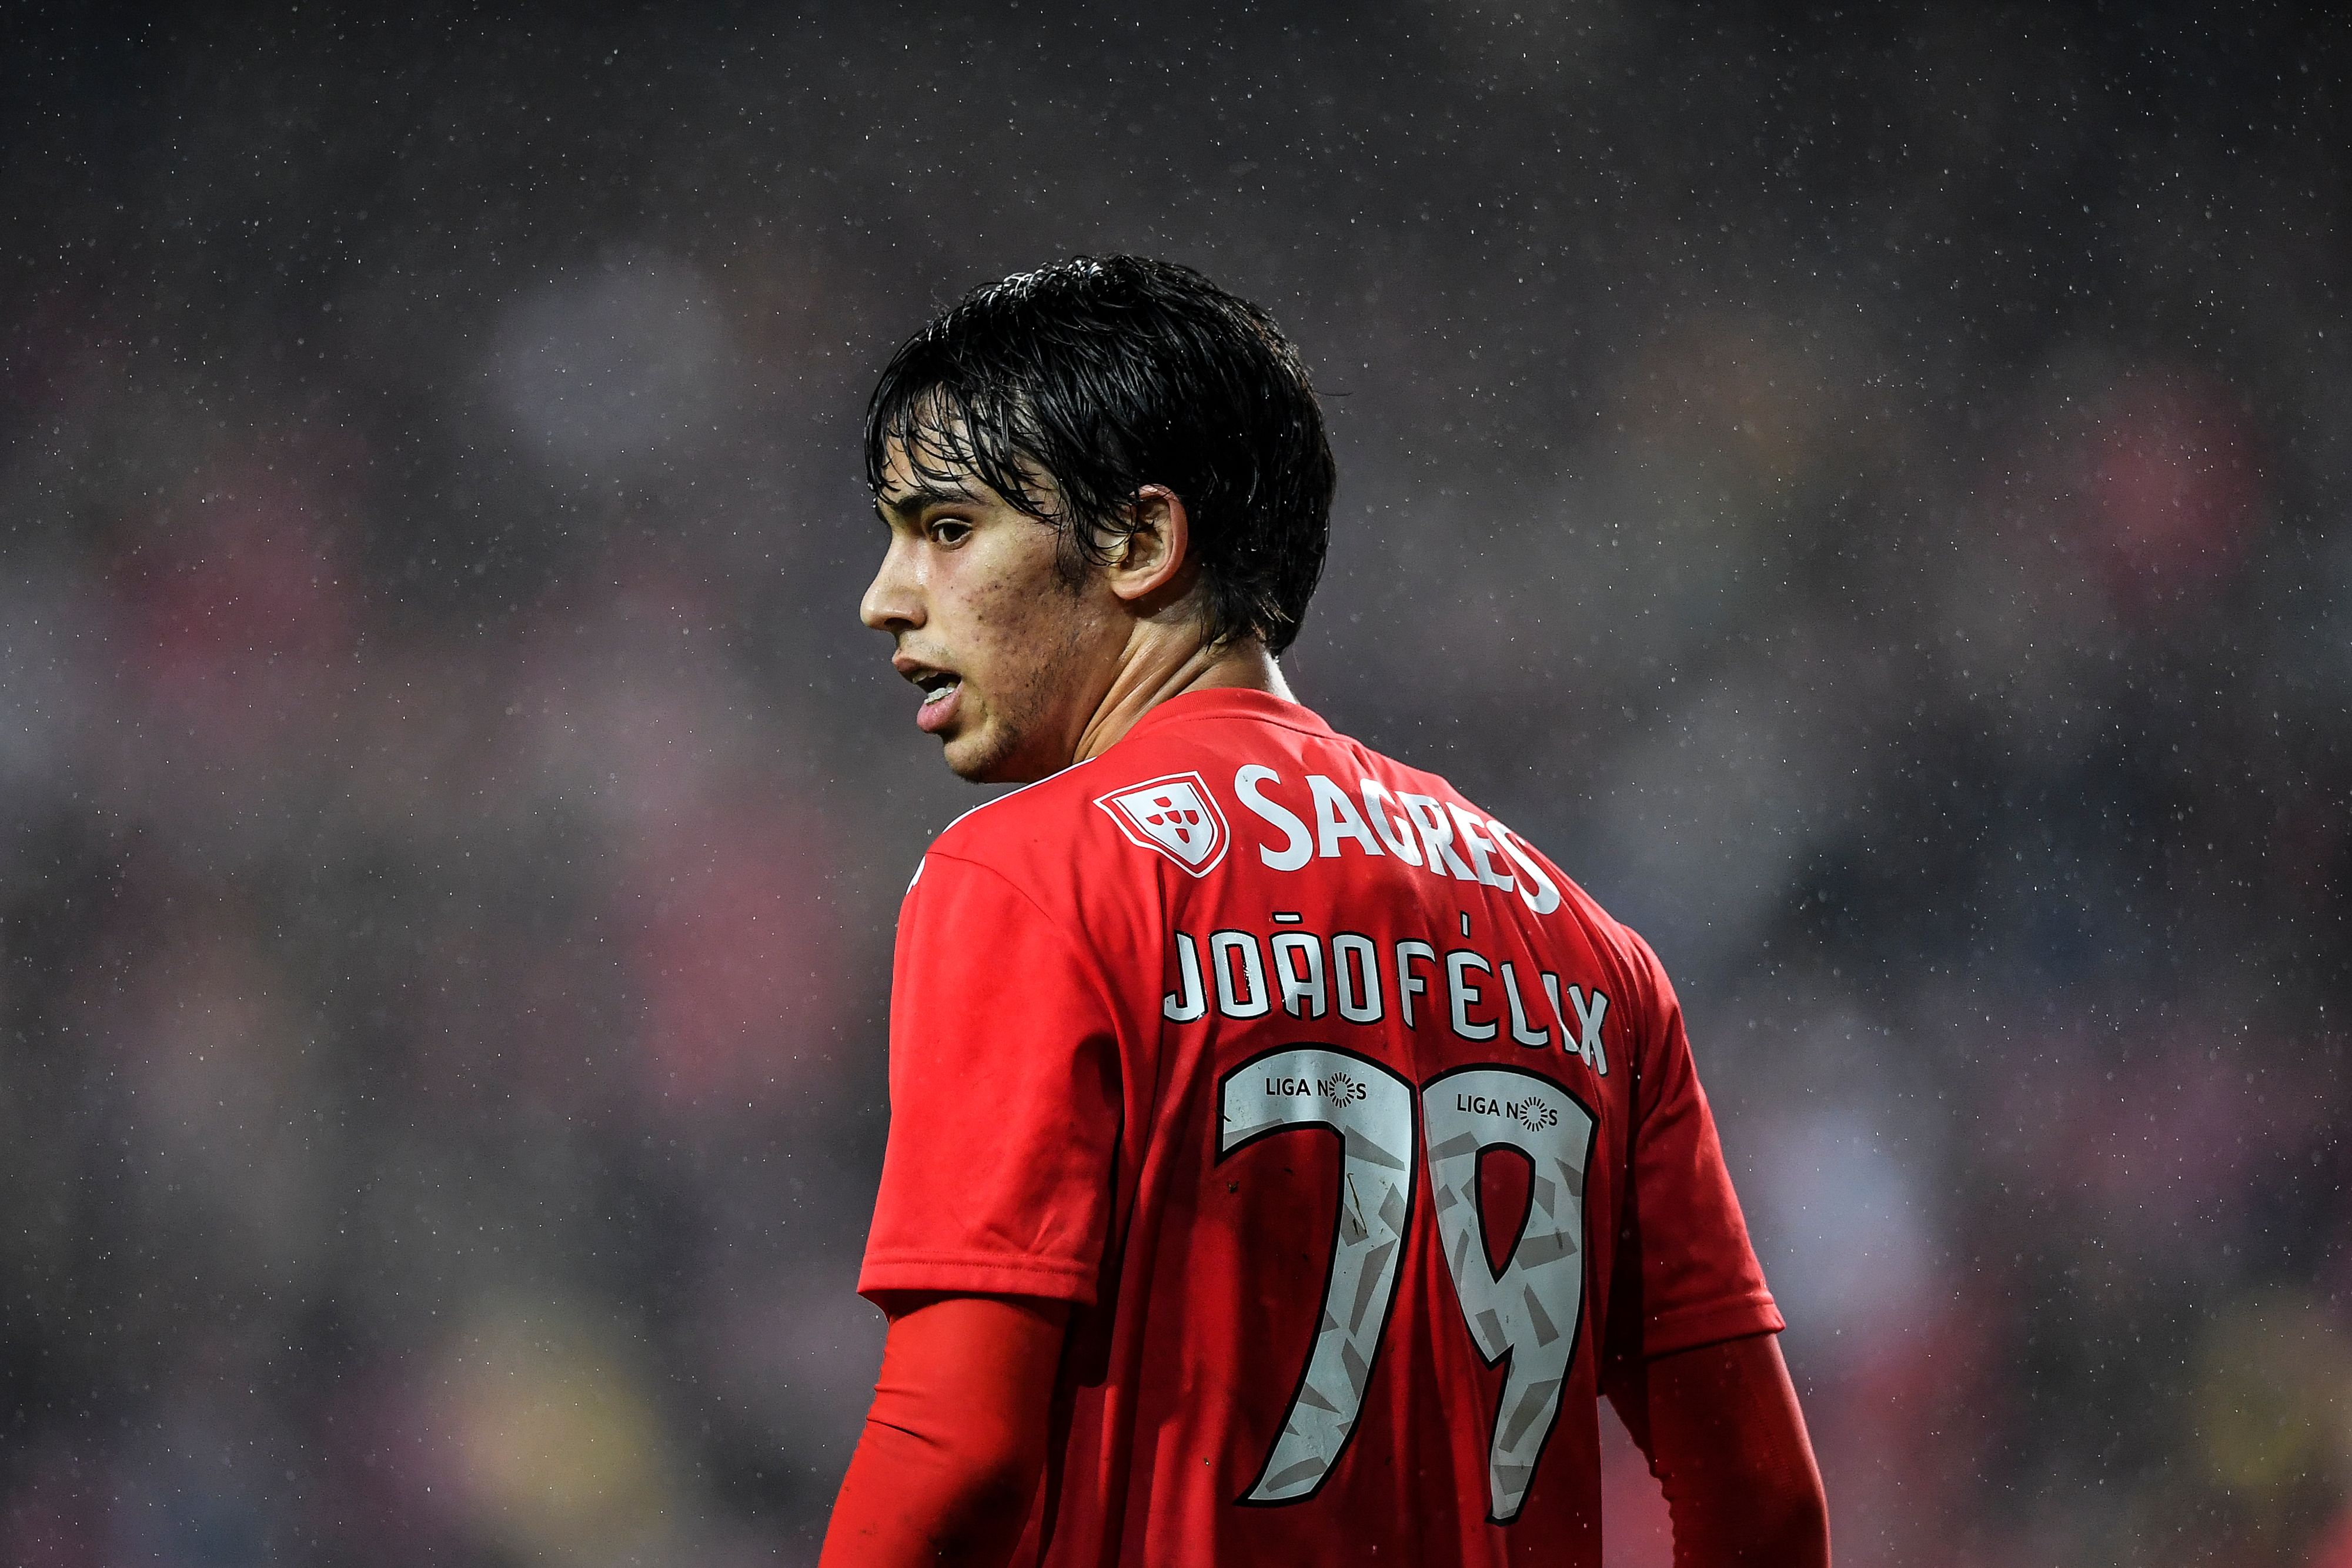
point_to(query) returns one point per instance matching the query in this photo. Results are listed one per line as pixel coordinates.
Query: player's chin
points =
(986, 753)
(971, 755)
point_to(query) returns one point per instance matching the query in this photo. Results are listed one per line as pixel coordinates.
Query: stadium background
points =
(1865, 492)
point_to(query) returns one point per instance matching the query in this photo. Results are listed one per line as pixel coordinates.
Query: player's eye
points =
(950, 531)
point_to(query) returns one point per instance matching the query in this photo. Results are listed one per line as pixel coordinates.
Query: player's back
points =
(1385, 1135)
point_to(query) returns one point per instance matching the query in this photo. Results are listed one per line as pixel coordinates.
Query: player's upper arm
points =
(1685, 1274)
(1005, 1098)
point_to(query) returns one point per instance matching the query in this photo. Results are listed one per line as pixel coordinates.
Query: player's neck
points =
(1157, 671)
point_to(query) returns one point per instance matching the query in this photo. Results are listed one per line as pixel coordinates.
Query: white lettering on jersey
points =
(1588, 1022)
(1247, 1000)
(1481, 849)
(1249, 971)
(1188, 1002)
(1462, 995)
(1436, 836)
(1175, 815)
(1298, 973)
(1336, 818)
(1426, 833)
(1588, 1028)
(1534, 886)
(1533, 1039)
(1395, 832)
(1359, 995)
(1301, 847)
(1409, 985)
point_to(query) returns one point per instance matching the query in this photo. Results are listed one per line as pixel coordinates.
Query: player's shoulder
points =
(1009, 831)
(1560, 897)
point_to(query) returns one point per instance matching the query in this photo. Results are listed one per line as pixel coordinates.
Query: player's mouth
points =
(941, 692)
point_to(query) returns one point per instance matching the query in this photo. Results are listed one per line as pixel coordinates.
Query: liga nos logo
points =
(1175, 815)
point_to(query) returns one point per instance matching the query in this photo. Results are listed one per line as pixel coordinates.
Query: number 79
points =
(1530, 1310)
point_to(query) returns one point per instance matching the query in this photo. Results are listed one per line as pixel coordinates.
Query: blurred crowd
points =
(1864, 493)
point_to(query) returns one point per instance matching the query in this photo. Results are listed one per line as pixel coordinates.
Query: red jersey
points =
(1355, 1132)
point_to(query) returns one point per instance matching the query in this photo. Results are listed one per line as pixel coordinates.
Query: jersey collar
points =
(1229, 702)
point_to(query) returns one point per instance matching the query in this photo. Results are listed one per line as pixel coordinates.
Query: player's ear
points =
(1153, 552)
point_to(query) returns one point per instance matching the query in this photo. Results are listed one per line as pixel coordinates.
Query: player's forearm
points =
(911, 1497)
(1727, 1440)
(1750, 1521)
(954, 1448)
(1786, 1529)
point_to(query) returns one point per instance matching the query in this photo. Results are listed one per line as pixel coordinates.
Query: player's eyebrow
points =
(911, 502)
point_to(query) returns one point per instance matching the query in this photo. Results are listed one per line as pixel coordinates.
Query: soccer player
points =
(1285, 1155)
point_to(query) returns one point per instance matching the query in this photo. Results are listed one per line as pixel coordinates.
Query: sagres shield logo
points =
(1175, 815)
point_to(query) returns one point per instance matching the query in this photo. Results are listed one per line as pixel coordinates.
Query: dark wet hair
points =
(1110, 373)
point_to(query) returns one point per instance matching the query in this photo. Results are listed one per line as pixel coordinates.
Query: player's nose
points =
(894, 600)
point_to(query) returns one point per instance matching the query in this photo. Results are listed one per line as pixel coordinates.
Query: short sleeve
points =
(1004, 1103)
(1686, 1275)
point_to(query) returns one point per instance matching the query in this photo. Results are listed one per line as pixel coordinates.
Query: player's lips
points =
(942, 691)
(940, 704)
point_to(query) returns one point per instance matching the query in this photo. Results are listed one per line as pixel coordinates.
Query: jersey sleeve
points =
(1005, 1099)
(1686, 1275)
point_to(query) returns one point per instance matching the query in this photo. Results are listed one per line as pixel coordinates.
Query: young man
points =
(1283, 1154)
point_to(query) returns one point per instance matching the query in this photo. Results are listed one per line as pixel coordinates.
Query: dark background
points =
(1864, 491)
